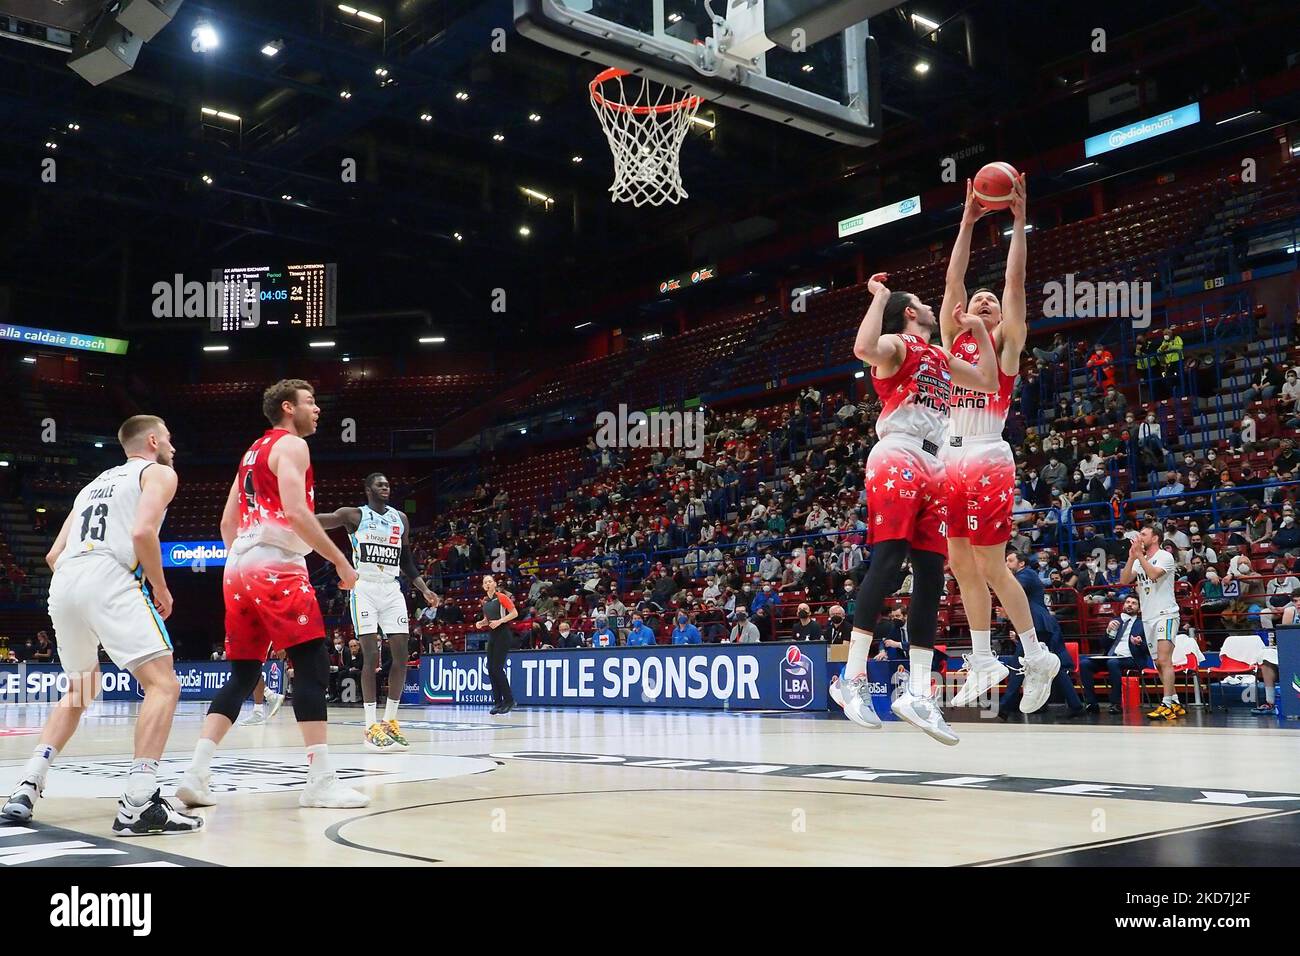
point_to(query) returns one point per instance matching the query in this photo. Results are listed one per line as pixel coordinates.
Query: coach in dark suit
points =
(1127, 645)
(1049, 632)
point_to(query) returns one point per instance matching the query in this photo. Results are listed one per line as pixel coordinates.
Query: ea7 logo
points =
(76, 909)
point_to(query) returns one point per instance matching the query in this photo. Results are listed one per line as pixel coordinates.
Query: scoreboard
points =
(288, 296)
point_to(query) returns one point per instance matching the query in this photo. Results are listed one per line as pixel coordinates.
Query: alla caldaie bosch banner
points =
(731, 676)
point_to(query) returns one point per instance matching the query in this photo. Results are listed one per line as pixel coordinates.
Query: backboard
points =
(750, 55)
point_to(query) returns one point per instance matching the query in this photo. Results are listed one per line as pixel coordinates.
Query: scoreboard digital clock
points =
(287, 296)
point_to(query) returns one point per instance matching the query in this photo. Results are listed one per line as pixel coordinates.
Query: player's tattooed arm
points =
(1014, 326)
(883, 352)
(984, 376)
(349, 519)
(954, 289)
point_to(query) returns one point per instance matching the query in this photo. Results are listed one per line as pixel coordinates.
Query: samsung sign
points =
(726, 676)
(878, 217)
(1142, 129)
(193, 554)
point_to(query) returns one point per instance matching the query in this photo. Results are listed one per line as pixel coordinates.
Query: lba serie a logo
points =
(796, 679)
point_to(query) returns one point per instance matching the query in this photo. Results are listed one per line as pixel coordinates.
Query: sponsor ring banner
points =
(1288, 663)
(22, 683)
(193, 554)
(725, 676)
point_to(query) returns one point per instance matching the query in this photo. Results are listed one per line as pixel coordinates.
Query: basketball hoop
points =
(645, 123)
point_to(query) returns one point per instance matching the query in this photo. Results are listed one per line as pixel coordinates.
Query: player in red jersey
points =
(982, 469)
(269, 526)
(907, 492)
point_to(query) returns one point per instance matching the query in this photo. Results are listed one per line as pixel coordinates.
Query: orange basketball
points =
(994, 185)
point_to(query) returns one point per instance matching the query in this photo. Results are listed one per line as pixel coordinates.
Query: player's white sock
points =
(859, 648)
(203, 752)
(143, 781)
(390, 709)
(1029, 638)
(919, 678)
(39, 765)
(318, 761)
(370, 714)
(1171, 699)
(1269, 693)
(981, 643)
(259, 709)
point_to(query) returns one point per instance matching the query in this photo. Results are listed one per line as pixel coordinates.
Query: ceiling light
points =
(74, 126)
(99, 444)
(1075, 169)
(859, 374)
(535, 117)
(209, 111)
(51, 145)
(523, 431)
(347, 358)
(351, 11)
(233, 117)
(499, 137)
(701, 121)
(427, 117)
(326, 344)
(287, 198)
(651, 336)
(1237, 117)
(674, 17)
(205, 36)
(582, 325)
(433, 339)
(40, 510)
(577, 159)
(922, 67)
(458, 237)
(367, 15)
(926, 22)
(525, 231)
(207, 179)
(1029, 227)
(4, 464)
(537, 195)
(345, 94)
(381, 71)
(807, 68)
(272, 48)
(216, 348)
(462, 96)
(29, 359)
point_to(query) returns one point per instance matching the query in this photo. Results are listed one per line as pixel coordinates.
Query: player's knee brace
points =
(244, 676)
(311, 676)
(927, 590)
(878, 583)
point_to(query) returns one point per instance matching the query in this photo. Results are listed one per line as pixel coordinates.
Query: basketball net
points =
(645, 123)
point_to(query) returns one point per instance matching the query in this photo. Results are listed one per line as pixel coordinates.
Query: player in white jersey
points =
(1154, 571)
(108, 590)
(381, 552)
(981, 468)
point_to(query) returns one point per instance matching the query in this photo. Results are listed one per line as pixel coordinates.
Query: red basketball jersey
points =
(917, 396)
(262, 519)
(976, 414)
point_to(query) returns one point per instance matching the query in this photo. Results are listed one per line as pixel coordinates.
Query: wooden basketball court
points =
(612, 787)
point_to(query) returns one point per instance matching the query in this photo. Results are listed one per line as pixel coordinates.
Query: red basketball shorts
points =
(981, 490)
(906, 496)
(269, 600)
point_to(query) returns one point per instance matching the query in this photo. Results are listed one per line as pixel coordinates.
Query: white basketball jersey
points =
(377, 545)
(103, 516)
(1157, 597)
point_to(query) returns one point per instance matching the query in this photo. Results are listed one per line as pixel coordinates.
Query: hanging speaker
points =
(147, 18)
(107, 51)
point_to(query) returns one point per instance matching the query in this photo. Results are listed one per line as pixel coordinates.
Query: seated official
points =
(1127, 647)
(684, 632)
(604, 636)
(640, 635)
(805, 628)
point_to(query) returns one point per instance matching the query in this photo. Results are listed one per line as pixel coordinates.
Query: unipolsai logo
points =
(796, 679)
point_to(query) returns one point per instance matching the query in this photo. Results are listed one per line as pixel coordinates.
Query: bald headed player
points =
(381, 551)
(109, 590)
(981, 468)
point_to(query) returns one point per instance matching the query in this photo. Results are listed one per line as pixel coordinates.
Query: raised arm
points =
(349, 519)
(984, 376)
(954, 289)
(882, 352)
(157, 489)
(1014, 327)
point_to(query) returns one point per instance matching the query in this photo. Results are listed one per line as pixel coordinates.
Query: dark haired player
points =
(907, 491)
(981, 468)
(381, 552)
(269, 527)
